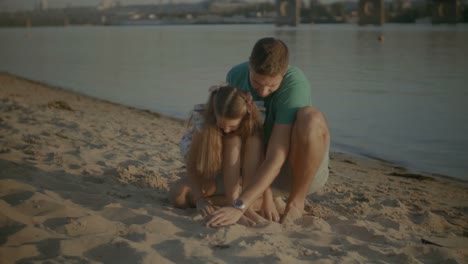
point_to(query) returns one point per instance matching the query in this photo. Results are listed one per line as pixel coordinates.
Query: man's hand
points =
(224, 216)
(204, 207)
(292, 215)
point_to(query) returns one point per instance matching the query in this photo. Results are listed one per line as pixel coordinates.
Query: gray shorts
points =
(283, 181)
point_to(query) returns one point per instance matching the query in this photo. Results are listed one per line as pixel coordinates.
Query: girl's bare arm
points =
(194, 180)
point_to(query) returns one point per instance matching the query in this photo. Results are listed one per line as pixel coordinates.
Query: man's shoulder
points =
(295, 73)
(295, 80)
(295, 88)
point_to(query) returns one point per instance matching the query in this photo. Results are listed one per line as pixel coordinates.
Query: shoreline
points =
(362, 155)
(86, 180)
(403, 169)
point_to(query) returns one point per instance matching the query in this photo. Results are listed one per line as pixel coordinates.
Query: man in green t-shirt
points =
(297, 138)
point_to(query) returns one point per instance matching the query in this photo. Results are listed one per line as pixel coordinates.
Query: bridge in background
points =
(288, 12)
(371, 12)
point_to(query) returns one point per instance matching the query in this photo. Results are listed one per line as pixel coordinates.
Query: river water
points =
(404, 100)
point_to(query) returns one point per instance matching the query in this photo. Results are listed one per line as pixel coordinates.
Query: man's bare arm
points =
(276, 155)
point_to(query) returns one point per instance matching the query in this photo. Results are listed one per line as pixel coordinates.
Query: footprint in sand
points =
(62, 123)
(117, 252)
(5, 150)
(135, 236)
(108, 155)
(57, 223)
(125, 216)
(166, 247)
(8, 227)
(395, 203)
(59, 105)
(31, 139)
(17, 198)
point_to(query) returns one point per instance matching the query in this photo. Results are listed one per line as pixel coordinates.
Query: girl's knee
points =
(232, 141)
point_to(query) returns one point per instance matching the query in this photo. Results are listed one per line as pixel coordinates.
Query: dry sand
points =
(85, 181)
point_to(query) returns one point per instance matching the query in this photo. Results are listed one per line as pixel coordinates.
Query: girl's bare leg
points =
(180, 194)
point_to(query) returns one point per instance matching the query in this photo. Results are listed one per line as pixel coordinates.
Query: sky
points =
(14, 5)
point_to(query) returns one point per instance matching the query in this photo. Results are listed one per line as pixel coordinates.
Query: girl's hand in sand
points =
(224, 216)
(205, 207)
(269, 210)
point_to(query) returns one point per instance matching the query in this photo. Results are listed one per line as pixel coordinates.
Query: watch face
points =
(239, 204)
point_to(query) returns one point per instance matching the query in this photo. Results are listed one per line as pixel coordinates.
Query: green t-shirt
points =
(282, 105)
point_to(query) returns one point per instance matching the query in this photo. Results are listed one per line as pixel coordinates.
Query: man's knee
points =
(311, 122)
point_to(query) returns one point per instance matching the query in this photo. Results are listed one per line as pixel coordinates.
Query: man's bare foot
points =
(292, 215)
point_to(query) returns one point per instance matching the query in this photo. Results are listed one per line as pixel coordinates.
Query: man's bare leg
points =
(309, 140)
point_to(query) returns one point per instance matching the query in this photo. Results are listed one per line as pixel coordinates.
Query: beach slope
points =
(85, 181)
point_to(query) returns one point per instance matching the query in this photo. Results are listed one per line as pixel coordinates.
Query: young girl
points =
(222, 151)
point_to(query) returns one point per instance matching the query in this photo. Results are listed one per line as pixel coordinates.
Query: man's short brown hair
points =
(269, 56)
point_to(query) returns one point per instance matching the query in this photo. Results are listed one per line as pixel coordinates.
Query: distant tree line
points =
(341, 12)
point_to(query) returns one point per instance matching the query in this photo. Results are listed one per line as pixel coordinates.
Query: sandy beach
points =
(85, 181)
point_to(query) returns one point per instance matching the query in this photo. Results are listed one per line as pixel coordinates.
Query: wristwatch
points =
(238, 204)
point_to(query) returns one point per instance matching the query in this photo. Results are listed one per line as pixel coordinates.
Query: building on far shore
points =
(41, 5)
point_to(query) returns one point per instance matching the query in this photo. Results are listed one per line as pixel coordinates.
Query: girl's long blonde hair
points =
(205, 158)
